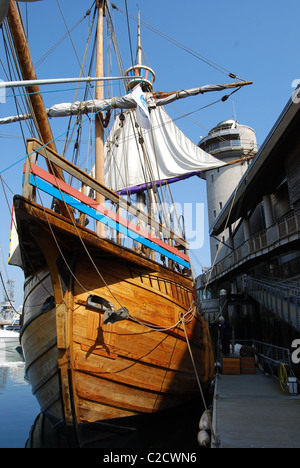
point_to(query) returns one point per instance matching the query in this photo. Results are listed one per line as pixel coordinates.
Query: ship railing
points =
(124, 223)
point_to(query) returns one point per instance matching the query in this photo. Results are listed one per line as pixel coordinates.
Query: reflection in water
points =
(172, 428)
(18, 407)
(13, 371)
(11, 364)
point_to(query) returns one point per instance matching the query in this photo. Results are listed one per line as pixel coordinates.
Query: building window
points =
(220, 205)
(215, 213)
(212, 178)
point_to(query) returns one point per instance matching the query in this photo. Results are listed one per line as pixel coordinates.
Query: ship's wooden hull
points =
(82, 370)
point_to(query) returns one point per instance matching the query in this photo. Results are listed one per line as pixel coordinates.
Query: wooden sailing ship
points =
(109, 326)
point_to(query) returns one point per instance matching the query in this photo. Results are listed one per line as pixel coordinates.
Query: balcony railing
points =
(283, 231)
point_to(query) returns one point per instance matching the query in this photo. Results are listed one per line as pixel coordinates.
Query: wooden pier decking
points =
(251, 411)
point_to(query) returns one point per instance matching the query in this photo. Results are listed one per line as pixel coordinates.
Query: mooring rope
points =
(199, 383)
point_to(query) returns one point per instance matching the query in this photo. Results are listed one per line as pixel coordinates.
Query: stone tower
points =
(228, 141)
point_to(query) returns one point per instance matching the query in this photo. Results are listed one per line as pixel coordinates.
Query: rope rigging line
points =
(198, 381)
(47, 143)
(13, 70)
(24, 251)
(87, 87)
(63, 37)
(184, 115)
(182, 46)
(128, 28)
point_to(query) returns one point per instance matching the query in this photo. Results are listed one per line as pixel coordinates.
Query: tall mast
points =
(139, 40)
(141, 74)
(99, 129)
(141, 196)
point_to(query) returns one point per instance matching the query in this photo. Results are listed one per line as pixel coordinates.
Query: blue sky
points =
(255, 40)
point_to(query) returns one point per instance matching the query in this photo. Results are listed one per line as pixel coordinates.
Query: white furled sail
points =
(164, 154)
(67, 109)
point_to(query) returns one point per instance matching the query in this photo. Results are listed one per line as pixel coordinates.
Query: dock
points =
(251, 411)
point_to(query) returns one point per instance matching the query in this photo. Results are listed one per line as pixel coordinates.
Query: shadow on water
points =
(171, 428)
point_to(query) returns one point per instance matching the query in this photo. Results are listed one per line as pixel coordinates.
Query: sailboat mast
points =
(139, 40)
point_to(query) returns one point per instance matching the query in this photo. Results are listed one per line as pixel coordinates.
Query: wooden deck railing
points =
(123, 218)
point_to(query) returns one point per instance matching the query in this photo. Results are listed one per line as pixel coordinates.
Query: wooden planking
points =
(90, 388)
(39, 336)
(147, 363)
(160, 314)
(231, 365)
(48, 392)
(143, 302)
(174, 291)
(37, 289)
(118, 275)
(135, 343)
(39, 344)
(89, 410)
(162, 376)
(38, 328)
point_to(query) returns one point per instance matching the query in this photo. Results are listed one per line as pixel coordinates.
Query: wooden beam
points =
(28, 73)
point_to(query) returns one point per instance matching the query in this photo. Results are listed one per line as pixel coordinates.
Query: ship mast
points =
(141, 196)
(99, 128)
(139, 40)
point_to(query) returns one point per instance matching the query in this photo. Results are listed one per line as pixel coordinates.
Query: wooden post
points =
(28, 190)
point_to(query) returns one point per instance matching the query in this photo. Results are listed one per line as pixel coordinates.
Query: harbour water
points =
(18, 406)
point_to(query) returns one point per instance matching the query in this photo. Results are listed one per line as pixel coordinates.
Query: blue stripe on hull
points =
(50, 190)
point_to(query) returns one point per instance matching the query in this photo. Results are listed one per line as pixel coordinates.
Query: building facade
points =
(259, 221)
